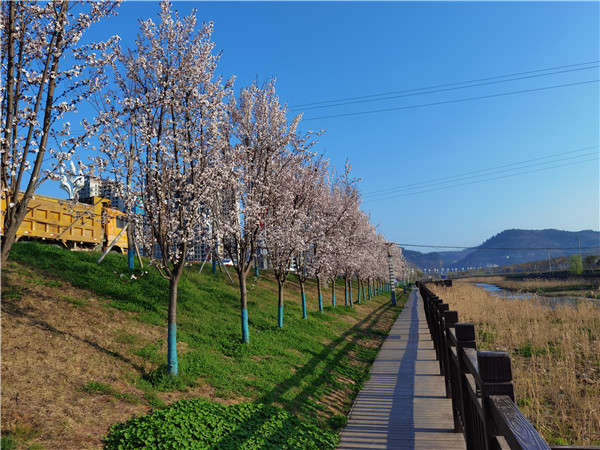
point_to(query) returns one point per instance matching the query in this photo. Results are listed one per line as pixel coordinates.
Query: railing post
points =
(496, 379)
(449, 319)
(461, 400)
(440, 308)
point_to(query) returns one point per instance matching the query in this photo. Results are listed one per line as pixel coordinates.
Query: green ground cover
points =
(286, 377)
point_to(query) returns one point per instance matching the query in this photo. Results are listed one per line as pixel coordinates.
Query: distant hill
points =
(511, 247)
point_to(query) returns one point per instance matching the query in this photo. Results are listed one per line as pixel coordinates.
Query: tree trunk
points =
(131, 249)
(350, 291)
(244, 307)
(345, 291)
(358, 289)
(280, 304)
(333, 291)
(8, 239)
(319, 293)
(303, 294)
(15, 214)
(172, 321)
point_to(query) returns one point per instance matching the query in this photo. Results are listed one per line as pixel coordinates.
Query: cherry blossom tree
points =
(163, 135)
(46, 73)
(289, 230)
(258, 158)
(334, 196)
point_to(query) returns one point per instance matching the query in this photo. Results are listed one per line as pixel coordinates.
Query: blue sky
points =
(424, 169)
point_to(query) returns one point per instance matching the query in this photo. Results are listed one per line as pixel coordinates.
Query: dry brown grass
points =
(54, 343)
(555, 355)
(583, 287)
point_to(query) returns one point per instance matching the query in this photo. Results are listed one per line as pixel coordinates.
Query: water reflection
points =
(548, 301)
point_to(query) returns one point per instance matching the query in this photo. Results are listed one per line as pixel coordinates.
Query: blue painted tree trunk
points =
(304, 306)
(172, 322)
(245, 329)
(303, 295)
(244, 307)
(172, 349)
(280, 305)
(280, 316)
(333, 292)
(130, 255)
(346, 295)
(320, 294)
(358, 295)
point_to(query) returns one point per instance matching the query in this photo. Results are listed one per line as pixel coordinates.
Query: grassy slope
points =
(312, 368)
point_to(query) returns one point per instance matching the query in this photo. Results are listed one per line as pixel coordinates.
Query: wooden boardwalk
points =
(403, 405)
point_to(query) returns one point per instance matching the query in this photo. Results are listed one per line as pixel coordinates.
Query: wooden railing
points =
(479, 383)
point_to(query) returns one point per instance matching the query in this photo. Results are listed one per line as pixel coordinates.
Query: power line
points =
(445, 85)
(452, 101)
(495, 248)
(468, 175)
(411, 93)
(478, 181)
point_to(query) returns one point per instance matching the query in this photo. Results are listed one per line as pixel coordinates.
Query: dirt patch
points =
(68, 383)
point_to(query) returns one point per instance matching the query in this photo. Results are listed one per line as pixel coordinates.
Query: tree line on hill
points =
(513, 247)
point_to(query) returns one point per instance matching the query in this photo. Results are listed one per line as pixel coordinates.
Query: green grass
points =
(94, 387)
(292, 368)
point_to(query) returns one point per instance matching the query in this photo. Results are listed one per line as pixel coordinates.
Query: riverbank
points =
(555, 354)
(571, 287)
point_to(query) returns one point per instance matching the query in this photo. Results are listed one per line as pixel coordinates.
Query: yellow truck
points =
(92, 225)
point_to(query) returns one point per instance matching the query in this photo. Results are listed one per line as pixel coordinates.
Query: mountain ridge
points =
(513, 246)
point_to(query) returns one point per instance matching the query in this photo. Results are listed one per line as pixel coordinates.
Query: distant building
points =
(94, 187)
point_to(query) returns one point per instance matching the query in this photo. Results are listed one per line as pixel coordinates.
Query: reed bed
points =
(555, 355)
(546, 286)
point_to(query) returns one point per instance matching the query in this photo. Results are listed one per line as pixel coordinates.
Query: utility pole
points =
(392, 284)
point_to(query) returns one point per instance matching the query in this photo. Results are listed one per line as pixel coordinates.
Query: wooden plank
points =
(515, 428)
(403, 405)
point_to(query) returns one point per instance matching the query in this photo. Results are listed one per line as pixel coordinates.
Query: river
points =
(549, 301)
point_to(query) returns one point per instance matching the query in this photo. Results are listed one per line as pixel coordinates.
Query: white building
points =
(94, 187)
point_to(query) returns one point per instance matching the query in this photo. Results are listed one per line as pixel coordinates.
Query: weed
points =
(151, 396)
(204, 424)
(94, 387)
(485, 336)
(20, 436)
(337, 422)
(8, 443)
(523, 402)
(10, 292)
(75, 301)
(151, 352)
(123, 337)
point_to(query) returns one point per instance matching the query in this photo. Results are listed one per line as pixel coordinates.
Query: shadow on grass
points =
(13, 310)
(334, 353)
